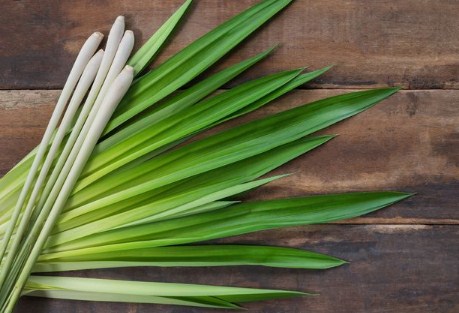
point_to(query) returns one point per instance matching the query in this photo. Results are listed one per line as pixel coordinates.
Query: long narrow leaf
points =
(204, 302)
(208, 255)
(137, 288)
(145, 54)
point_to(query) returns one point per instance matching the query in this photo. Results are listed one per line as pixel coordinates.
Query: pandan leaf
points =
(207, 255)
(126, 289)
(145, 54)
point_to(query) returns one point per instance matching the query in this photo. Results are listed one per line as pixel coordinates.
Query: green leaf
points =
(208, 255)
(126, 289)
(145, 54)
(205, 302)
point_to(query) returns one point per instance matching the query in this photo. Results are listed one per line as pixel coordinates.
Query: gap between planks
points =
(396, 221)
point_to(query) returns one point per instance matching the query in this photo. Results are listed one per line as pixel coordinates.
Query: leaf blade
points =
(206, 255)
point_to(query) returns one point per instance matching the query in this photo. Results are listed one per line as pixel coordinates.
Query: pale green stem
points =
(87, 51)
(81, 89)
(77, 138)
(113, 41)
(112, 99)
(125, 48)
(90, 107)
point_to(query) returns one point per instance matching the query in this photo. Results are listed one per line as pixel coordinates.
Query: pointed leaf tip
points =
(390, 90)
(401, 195)
(325, 69)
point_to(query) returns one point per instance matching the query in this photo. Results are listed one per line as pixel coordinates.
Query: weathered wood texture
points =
(406, 143)
(410, 43)
(393, 269)
(404, 258)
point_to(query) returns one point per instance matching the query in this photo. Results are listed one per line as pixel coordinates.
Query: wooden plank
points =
(409, 143)
(373, 43)
(393, 269)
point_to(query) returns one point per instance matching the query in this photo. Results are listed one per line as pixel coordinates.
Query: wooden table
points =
(404, 258)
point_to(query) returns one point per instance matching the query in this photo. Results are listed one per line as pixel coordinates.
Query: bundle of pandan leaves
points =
(119, 179)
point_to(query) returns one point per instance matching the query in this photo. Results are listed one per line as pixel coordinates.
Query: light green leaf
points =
(205, 302)
(126, 288)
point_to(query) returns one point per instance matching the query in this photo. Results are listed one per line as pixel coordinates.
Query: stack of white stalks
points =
(96, 84)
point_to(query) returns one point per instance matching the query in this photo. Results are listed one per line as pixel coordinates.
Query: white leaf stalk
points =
(78, 137)
(114, 95)
(114, 38)
(81, 89)
(53, 198)
(87, 51)
(89, 111)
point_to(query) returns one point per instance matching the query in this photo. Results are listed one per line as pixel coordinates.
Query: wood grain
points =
(408, 142)
(403, 258)
(409, 43)
(393, 269)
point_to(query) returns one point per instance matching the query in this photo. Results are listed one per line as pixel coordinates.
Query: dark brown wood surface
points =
(411, 43)
(394, 268)
(404, 258)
